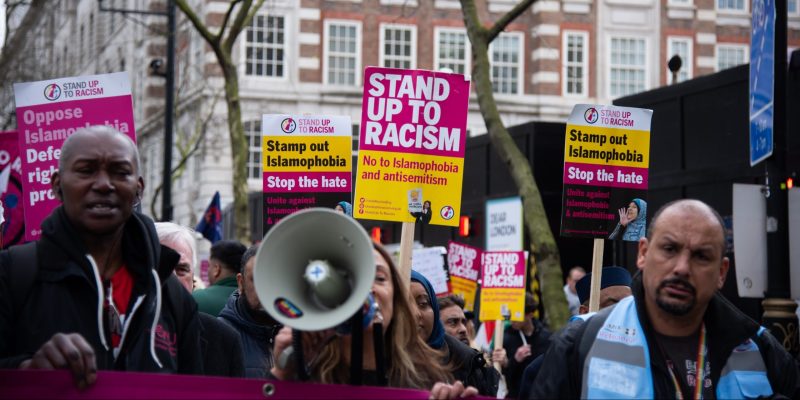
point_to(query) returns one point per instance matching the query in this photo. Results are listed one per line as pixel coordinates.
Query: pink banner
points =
(605, 175)
(46, 120)
(15, 384)
(307, 182)
(463, 261)
(13, 229)
(414, 111)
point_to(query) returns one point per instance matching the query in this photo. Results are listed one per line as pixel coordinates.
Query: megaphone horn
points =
(314, 269)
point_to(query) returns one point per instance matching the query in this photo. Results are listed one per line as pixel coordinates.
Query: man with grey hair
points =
(96, 291)
(677, 336)
(180, 239)
(219, 343)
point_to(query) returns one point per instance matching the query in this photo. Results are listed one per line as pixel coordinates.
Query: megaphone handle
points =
(299, 361)
(357, 347)
(380, 363)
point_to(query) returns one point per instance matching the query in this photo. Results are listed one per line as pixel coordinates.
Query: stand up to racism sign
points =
(606, 160)
(411, 146)
(306, 163)
(48, 112)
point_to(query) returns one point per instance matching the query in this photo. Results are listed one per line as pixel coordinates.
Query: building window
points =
(252, 130)
(398, 46)
(575, 68)
(506, 60)
(628, 67)
(452, 50)
(731, 55)
(793, 7)
(265, 50)
(356, 132)
(682, 47)
(732, 5)
(342, 47)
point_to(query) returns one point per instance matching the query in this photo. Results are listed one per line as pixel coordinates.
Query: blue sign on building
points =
(762, 79)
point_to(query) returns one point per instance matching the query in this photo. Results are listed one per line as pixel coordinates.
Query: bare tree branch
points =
(198, 24)
(227, 17)
(506, 19)
(201, 129)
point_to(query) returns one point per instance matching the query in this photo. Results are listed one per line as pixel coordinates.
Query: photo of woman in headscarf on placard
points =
(632, 221)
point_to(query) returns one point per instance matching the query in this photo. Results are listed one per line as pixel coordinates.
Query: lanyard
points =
(700, 369)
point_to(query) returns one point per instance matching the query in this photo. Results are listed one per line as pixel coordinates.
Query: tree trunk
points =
(239, 152)
(542, 242)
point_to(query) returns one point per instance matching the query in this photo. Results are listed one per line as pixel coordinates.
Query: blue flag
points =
(210, 225)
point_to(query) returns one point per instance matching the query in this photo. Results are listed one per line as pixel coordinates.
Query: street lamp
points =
(169, 98)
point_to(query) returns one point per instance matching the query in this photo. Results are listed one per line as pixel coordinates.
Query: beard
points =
(677, 309)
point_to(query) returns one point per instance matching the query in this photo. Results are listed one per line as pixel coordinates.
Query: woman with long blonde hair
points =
(410, 362)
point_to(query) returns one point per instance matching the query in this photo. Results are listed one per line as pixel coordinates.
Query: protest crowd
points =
(106, 288)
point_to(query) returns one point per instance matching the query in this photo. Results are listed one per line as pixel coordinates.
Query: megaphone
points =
(314, 269)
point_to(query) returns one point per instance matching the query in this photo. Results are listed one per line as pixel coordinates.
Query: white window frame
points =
(796, 8)
(688, 61)
(645, 67)
(521, 61)
(744, 10)
(685, 3)
(327, 52)
(413, 56)
(256, 123)
(745, 54)
(584, 35)
(285, 48)
(438, 31)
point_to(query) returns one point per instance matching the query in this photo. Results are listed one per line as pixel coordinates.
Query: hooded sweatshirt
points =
(256, 338)
(160, 333)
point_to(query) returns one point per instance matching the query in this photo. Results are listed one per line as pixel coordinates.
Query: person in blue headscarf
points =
(344, 207)
(633, 220)
(465, 363)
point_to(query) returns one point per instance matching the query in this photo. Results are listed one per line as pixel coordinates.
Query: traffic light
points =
(376, 233)
(464, 226)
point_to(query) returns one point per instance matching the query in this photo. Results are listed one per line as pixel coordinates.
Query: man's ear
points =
(140, 188)
(723, 272)
(643, 247)
(240, 282)
(55, 186)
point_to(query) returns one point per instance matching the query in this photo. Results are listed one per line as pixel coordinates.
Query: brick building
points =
(308, 56)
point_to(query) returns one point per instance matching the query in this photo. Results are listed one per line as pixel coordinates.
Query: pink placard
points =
(464, 261)
(16, 384)
(503, 269)
(11, 189)
(414, 111)
(48, 112)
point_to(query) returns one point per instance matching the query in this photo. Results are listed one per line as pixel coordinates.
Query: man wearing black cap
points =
(615, 285)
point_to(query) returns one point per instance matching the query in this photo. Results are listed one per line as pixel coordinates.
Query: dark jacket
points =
(221, 348)
(212, 299)
(470, 367)
(562, 373)
(539, 343)
(66, 297)
(256, 339)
